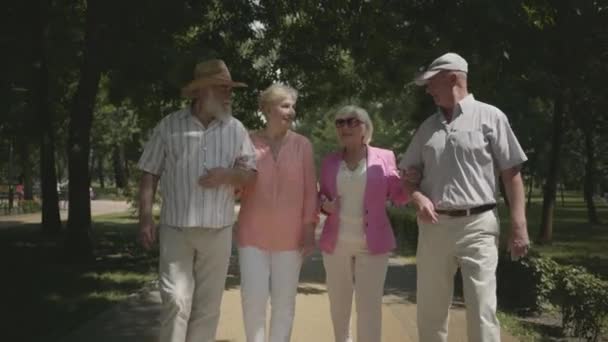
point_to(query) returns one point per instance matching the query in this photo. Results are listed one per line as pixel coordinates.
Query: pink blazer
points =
(383, 183)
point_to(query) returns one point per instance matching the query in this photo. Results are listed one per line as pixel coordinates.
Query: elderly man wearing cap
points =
(459, 151)
(200, 154)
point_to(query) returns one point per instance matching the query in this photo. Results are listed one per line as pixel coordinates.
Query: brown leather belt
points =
(467, 212)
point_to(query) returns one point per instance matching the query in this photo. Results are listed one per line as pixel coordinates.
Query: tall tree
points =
(79, 241)
(51, 221)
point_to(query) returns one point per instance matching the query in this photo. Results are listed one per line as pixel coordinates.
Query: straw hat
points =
(212, 72)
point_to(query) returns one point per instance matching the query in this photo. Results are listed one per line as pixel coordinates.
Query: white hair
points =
(360, 114)
(275, 93)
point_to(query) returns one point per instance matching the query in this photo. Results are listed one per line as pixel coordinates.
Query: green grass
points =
(47, 295)
(575, 241)
(110, 193)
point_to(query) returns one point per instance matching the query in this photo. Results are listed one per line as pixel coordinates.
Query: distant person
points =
(19, 192)
(459, 151)
(200, 153)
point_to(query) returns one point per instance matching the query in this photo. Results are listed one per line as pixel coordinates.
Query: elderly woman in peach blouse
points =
(277, 219)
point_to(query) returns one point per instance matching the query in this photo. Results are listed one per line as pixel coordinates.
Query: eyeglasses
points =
(350, 122)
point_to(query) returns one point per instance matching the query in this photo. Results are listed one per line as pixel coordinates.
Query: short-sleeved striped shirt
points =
(181, 150)
(460, 160)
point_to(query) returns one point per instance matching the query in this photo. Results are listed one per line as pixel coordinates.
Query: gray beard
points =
(212, 106)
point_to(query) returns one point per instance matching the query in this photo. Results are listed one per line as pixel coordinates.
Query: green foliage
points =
(405, 228)
(535, 282)
(29, 206)
(525, 286)
(583, 301)
(20, 207)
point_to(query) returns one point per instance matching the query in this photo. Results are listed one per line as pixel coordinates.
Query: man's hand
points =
(307, 245)
(147, 232)
(425, 209)
(519, 242)
(215, 177)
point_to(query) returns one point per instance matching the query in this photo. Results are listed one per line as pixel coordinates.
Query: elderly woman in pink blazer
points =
(355, 184)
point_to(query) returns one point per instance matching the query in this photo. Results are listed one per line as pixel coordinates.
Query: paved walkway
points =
(137, 319)
(98, 207)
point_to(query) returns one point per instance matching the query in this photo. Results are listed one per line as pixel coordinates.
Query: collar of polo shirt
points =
(188, 114)
(463, 107)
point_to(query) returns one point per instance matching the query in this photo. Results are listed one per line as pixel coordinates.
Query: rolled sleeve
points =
(153, 158)
(309, 211)
(246, 157)
(506, 149)
(413, 155)
(396, 192)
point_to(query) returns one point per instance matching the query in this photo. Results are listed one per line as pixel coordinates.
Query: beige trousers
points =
(270, 275)
(471, 244)
(349, 268)
(193, 267)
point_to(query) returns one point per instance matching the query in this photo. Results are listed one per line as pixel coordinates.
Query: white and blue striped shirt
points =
(181, 150)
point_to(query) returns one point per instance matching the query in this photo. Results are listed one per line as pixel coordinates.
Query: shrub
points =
(525, 286)
(583, 301)
(531, 283)
(30, 206)
(405, 227)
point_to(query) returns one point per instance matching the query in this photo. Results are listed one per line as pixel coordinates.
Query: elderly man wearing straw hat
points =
(199, 154)
(459, 151)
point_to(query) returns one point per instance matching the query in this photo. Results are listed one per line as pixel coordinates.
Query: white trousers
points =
(351, 267)
(193, 268)
(471, 244)
(267, 274)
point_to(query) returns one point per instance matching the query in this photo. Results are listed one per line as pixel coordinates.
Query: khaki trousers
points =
(349, 268)
(471, 244)
(193, 267)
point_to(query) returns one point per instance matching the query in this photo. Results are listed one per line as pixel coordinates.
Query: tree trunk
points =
(118, 157)
(549, 189)
(589, 185)
(100, 174)
(26, 169)
(51, 221)
(79, 242)
(530, 188)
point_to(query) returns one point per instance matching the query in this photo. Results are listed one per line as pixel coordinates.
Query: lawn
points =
(575, 241)
(47, 295)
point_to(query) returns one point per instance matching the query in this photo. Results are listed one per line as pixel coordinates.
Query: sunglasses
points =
(350, 122)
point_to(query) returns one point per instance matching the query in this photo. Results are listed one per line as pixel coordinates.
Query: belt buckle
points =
(468, 212)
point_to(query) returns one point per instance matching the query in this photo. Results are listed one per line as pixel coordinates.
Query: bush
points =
(583, 301)
(405, 227)
(533, 282)
(30, 206)
(525, 286)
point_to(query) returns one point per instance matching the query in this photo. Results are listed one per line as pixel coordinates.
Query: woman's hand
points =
(307, 245)
(329, 207)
